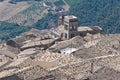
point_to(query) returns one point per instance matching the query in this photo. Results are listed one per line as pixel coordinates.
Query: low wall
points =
(107, 61)
(68, 71)
(88, 66)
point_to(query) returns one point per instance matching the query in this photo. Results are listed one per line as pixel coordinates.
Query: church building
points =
(68, 28)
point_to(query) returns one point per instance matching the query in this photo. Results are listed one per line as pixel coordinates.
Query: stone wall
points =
(15, 50)
(86, 65)
(70, 71)
(25, 63)
(33, 73)
(89, 66)
(13, 77)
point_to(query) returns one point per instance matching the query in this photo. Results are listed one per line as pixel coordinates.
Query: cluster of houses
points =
(67, 29)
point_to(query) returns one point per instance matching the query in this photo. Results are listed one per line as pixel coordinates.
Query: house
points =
(14, 44)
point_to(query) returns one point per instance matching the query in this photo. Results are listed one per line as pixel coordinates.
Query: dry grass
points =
(30, 15)
(8, 10)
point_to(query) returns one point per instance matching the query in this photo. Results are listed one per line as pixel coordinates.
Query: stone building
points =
(14, 44)
(84, 30)
(68, 27)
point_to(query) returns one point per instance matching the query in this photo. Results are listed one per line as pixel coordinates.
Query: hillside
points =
(17, 15)
(42, 14)
(30, 15)
(27, 12)
(104, 13)
(10, 30)
(8, 10)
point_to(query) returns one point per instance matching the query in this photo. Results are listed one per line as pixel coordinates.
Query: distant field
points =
(8, 10)
(34, 13)
(17, 16)
(30, 15)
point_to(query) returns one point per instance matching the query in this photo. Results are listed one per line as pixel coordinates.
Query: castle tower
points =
(70, 27)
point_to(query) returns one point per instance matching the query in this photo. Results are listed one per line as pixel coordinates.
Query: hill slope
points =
(10, 30)
(8, 10)
(105, 13)
(30, 15)
(17, 13)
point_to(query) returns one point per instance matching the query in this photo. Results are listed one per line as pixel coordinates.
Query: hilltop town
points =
(67, 52)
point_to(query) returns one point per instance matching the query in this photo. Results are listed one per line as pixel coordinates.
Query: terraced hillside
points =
(30, 15)
(25, 12)
(8, 10)
(21, 13)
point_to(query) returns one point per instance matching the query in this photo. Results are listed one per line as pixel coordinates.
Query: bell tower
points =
(70, 27)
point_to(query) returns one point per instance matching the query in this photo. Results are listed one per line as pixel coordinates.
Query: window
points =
(65, 35)
(62, 35)
(66, 27)
(75, 27)
(72, 28)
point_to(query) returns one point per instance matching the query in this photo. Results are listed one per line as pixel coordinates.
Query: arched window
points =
(72, 27)
(61, 35)
(65, 35)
